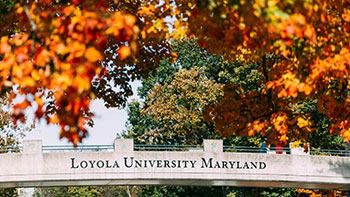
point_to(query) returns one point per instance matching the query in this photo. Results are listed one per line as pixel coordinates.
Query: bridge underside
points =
(184, 182)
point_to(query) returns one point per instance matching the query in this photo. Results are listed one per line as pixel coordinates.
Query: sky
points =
(108, 122)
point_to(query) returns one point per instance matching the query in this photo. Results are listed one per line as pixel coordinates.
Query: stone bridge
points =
(209, 166)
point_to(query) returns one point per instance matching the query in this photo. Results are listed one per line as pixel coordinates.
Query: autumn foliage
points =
(62, 54)
(177, 106)
(309, 44)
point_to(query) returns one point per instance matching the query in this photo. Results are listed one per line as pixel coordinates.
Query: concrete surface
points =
(34, 168)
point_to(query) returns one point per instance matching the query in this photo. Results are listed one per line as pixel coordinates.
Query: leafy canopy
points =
(177, 94)
(63, 54)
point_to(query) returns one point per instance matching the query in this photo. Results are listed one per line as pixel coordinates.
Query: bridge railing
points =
(252, 149)
(330, 152)
(145, 147)
(81, 148)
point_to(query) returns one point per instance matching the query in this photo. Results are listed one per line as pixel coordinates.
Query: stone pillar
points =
(124, 145)
(213, 146)
(32, 146)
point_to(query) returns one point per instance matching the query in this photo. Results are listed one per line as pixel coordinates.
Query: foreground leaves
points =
(63, 54)
(309, 41)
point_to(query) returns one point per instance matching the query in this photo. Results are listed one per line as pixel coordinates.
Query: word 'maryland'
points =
(131, 162)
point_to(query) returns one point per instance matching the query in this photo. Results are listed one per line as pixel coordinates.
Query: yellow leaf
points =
(83, 83)
(79, 49)
(272, 3)
(64, 81)
(20, 10)
(28, 82)
(35, 75)
(92, 54)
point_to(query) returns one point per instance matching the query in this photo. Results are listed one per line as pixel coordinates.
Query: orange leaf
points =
(124, 52)
(292, 91)
(251, 132)
(282, 93)
(306, 89)
(5, 48)
(92, 54)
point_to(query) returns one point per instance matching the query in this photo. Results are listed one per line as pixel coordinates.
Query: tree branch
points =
(269, 93)
(34, 27)
(32, 23)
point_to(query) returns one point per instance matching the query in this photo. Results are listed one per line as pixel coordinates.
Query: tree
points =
(320, 137)
(312, 49)
(245, 76)
(177, 106)
(10, 135)
(88, 191)
(63, 54)
(176, 95)
(67, 191)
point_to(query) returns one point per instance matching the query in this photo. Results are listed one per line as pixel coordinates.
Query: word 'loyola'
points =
(131, 162)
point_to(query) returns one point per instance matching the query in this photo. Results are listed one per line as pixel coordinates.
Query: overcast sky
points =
(108, 122)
